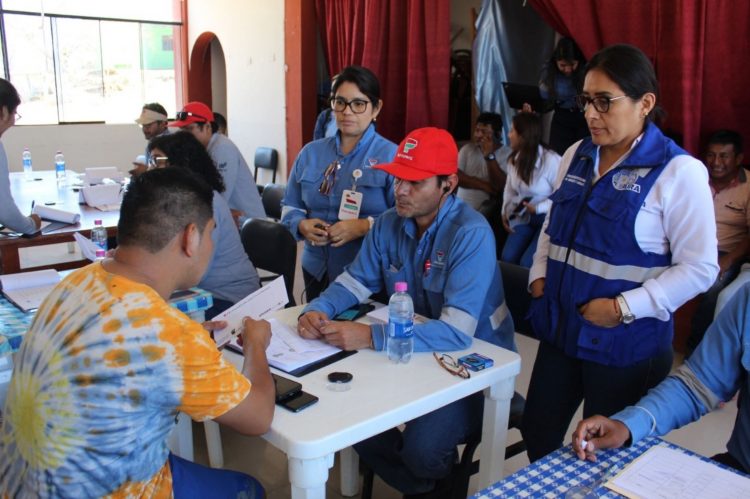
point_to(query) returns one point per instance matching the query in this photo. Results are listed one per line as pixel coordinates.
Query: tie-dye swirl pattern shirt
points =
(99, 379)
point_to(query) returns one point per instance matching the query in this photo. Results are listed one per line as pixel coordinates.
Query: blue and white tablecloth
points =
(558, 472)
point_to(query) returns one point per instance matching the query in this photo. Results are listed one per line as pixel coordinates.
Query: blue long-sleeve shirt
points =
(717, 369)
(462, 292)
(241, 192)
(10, 215)
(303, 200)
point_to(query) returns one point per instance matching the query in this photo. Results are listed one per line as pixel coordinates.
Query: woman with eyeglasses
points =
(629, 238)
(230, 275)
(532, 171)
(334, 194)
(10, 216)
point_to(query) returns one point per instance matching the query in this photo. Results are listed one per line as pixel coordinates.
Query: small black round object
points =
(340, 377)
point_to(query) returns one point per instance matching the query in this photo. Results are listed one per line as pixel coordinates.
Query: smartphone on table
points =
(285, 387)
(299, 401)
(354, 313)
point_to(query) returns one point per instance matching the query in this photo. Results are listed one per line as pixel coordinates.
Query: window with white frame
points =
(76, 61)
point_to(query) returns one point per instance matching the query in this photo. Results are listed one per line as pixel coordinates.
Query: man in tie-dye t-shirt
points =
(108, 363)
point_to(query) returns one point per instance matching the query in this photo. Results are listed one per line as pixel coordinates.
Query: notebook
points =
(27, 290)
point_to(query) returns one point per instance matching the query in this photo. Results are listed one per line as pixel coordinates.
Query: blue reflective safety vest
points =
(593, 253)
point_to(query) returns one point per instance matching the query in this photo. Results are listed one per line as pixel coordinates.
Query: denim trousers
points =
(559, 383)
(521, 243)
(412, 460)
(193, 481)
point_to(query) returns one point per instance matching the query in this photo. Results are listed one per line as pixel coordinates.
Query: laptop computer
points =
(519, 93)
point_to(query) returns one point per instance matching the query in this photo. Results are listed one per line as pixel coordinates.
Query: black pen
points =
(32, 207)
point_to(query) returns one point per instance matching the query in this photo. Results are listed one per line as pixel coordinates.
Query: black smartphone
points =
(285, 387)
(520, 206)
(298, 402)
(354, 313)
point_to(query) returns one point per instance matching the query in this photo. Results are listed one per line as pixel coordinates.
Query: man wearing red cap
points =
(445, 251)
(241, 193)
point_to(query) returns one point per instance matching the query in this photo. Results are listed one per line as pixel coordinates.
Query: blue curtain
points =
(512, 44)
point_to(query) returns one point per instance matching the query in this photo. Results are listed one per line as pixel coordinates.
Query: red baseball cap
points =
(424, 153)
(193, 112)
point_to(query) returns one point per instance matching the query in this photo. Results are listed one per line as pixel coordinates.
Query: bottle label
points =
(401, 329)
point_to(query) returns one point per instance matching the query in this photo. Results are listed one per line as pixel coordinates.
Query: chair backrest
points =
(271, 247)
(271, 197)
(517, 298)
(268, 158)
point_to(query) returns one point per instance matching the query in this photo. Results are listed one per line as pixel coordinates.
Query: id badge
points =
(351, 203)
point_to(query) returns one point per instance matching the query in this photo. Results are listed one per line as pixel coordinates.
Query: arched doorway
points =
(207, 76)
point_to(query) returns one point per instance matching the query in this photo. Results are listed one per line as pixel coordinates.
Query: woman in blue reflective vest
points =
(629, 238)
(319, 206)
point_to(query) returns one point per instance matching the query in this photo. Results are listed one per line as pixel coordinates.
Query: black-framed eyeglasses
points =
(183, 115)
(358, 106)
(449, 364)
(600, 103)
(158, 161)
(329, 178)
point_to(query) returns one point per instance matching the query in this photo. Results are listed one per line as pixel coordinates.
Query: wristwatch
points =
(490, 157)
(626, 316)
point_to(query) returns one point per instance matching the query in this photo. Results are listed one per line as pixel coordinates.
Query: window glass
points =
(159, 83)
(80, 90)
(32, 71)
(121, 60)
(147, 10)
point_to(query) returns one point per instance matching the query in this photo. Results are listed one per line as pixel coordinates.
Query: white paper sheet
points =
(57, 215)
(289, 351)
(662, 473)
(257, 305)
(28, 289)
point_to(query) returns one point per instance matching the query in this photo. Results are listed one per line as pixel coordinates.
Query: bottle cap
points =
(97, 222)
(100, 253)
(401, 287)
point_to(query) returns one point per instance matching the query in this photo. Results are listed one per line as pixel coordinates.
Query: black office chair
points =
(268, 158)
(271, 196)
(271, 247)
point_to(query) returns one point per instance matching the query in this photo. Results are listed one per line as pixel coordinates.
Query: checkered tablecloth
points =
(555, 474)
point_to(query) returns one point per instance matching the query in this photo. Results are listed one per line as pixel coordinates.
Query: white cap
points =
(140, 159)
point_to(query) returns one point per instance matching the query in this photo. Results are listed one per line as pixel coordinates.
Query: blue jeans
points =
(521, 243)
(190, 480)
(413, 460)
(559, 383)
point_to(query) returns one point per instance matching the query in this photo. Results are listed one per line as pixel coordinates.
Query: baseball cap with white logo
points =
(424, 153)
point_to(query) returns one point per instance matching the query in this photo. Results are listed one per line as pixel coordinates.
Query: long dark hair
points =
(185, 151)
(528, 126)
(565, 50)
(630, 69)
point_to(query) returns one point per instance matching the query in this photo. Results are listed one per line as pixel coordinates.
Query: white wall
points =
(251, 33)
(83, 145)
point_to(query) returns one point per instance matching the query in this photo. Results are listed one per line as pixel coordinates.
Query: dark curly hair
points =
(183, 150)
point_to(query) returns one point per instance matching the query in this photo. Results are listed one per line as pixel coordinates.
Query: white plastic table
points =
(383, 396)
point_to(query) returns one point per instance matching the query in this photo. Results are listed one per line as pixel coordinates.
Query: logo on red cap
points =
(410, 144)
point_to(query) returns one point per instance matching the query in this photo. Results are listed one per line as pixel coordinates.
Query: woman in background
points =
(327, 167)
(561, 81)
(10, 216)
(230, 275)
(532, 171)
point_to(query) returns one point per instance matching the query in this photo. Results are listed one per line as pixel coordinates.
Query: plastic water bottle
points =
(27, 170)
(99, 235)
(400, 325)
(60, 167)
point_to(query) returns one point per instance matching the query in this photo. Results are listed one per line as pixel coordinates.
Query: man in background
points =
(153, 121)
(241, 194)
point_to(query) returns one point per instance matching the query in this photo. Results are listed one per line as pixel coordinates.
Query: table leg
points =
(495, 431)
(349, 472)
(180, 440)
(213, 444)
(309, 476)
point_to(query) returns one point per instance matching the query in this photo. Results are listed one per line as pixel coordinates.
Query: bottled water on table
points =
(400, 325)
(27, 169)
(99, 235)
(60, 166)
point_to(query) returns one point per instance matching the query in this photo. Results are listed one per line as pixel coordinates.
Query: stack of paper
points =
(28, 289)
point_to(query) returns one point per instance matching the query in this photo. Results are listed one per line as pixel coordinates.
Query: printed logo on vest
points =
(625, 180)
(439, 259)
(575, 179)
